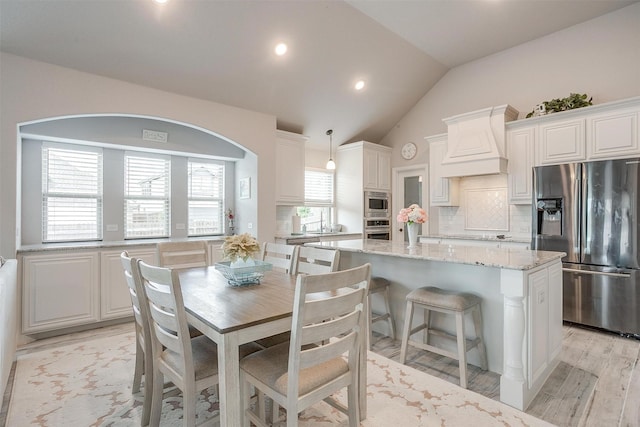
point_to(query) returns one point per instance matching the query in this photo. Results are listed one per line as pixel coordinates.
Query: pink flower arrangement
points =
(413, 213)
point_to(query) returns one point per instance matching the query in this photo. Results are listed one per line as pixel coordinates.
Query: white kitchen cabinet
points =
(360, 166)
(598, 132)
(60, 290)
(115, 301)
(290, 164)
(377, 169)
(545, 341)
(520, 152)
(613, 134)
(562, 141)
(442, 191)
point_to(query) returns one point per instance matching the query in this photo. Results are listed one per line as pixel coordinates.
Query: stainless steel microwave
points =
(377, 204)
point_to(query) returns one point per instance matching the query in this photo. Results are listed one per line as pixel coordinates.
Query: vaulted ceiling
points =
(223, 51)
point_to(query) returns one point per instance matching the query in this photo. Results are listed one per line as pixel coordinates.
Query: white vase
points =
(412, 232)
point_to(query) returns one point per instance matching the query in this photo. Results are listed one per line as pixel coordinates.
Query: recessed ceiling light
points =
(359, 85)
(281, 49)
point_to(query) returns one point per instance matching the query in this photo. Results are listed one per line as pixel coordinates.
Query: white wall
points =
(32, 90)
(600, 57)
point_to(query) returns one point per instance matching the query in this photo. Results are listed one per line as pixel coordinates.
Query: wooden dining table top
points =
(208, 296)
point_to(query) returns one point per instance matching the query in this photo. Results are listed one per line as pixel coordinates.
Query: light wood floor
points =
(597, 382)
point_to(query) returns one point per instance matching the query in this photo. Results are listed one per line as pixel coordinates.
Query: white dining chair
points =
(312, 260)
(282, 257)
(328, 309)
(183, 254)
(190, 364)
(144, 357)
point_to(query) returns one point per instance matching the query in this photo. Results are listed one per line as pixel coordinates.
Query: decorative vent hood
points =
(476, 142)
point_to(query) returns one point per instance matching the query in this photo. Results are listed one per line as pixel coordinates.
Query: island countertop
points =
(506, 258)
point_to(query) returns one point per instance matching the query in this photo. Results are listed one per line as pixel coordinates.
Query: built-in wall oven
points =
(377, 228)
(377, 204)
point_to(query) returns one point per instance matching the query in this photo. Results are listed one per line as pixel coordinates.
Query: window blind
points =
(318, 187)
(147, 195)
(71, 193)
(205, 198)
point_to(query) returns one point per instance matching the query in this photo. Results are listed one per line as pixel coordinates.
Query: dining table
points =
(235, 315)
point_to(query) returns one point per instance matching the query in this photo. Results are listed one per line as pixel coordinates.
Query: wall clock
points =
(409, 150)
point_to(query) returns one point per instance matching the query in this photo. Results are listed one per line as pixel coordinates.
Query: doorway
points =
(410, 185)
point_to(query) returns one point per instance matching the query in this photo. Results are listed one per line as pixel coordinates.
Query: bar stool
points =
(449, 302)
(380, 285)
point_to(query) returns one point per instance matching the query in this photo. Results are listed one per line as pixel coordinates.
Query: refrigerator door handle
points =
(597, 273)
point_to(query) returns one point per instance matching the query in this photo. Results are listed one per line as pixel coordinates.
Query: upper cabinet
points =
(599, 132)
(561, 141)
(614, 133)
(290, 163)
(520, 149)
(377, 168)
(443, 191)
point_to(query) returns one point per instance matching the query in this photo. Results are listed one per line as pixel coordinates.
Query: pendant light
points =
(330, 164)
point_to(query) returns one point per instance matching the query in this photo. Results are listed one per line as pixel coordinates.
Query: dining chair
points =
(322, 356)
(183, 254)
(282, 257)
(144, 361)
(312, 260)
(191, 364)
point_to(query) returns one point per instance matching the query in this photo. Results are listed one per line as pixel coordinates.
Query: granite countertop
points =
(284, 235)
(507, 258)
(108, 244)
(487, 237)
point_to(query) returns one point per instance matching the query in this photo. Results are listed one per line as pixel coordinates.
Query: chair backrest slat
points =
(312, 260)
(324, 330)
(183, 254)
(282, 257)
(318, 310)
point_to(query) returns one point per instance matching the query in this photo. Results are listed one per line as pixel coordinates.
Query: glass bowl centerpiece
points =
(240, 267)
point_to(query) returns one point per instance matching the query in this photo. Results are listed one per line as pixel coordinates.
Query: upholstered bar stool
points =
(449, 302)
(380, 285)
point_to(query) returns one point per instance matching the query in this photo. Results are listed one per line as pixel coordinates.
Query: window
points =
(318, 187)
(206, 198)
(71, 193)
(317, 213)
(147, 190)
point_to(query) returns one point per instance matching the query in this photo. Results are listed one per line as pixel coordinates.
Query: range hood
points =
(476, 142)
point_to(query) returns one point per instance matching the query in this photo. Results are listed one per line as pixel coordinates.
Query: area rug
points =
(89, 384)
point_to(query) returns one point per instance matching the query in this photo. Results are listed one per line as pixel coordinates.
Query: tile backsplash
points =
(484, 209)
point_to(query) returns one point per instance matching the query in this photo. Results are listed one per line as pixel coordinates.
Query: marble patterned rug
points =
(89, 384)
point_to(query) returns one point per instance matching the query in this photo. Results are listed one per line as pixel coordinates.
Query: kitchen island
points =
(521, 293)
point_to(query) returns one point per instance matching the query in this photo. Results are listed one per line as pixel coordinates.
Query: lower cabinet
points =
(63, 289)
(545, 308)
(115, 301)
(59, 291)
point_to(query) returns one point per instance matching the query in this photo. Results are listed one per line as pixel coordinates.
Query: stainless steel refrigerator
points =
(590, 211)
